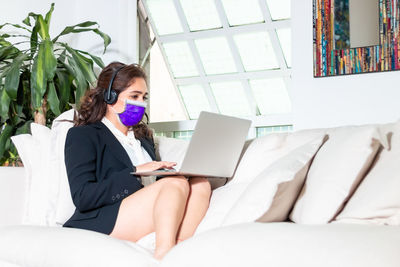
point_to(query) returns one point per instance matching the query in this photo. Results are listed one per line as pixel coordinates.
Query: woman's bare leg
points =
(168, 213)
(196, 208)
(158, 207)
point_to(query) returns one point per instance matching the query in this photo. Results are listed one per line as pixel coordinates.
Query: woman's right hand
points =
(154, 165)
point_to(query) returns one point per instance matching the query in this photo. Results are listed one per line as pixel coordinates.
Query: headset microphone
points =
(110, 95)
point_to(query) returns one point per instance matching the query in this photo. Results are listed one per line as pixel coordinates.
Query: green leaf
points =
(52, 99)
(64, 86)
(27, 21)
(12, 78)
(34, 38)
(106, 38)
(4, 137)
(85, 64)
(39, 77)
(8, 52)
(50, 59)
(71, 29)
(48, 15)
(5, 105)
(44, 28)
(15, 26)
(96, 59)
(80, 81)
(24, 128)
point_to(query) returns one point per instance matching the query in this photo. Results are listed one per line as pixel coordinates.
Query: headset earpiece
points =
(110, 95)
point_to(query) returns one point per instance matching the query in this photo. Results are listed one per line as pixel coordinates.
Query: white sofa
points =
(342, 216)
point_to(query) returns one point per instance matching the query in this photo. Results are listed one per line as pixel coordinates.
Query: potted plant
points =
(40, 76)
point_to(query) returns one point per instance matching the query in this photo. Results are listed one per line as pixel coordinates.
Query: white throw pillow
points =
(40, 182)
(272, 193)
(26, 147)
(335, 173)
(263, 151)
(56, 246)
(65, 207)
(377, 199)
(259, 154)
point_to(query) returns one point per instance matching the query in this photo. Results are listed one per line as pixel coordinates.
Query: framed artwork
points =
(355, 36)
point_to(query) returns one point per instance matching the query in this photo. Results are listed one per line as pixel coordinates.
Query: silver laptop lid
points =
(216, 144)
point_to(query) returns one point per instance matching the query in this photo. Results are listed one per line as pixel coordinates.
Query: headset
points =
(110, 95)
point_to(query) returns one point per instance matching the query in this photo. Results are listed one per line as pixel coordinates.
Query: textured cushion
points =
(289, 245)
(377, 199)
(335, 173)
(44, 246)
(272, 193)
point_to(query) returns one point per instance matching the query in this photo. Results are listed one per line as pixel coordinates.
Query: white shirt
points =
(132, 146)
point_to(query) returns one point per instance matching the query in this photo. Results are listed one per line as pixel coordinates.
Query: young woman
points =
(108, 142)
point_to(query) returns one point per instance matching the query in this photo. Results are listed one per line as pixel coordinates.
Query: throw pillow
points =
(271, 195)
(34, 150)
(259, 154)
(335, 173)
(377, 199)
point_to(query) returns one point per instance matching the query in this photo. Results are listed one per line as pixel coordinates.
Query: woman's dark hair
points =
(93, 108)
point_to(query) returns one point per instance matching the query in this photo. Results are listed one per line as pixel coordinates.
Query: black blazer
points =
(98, 170)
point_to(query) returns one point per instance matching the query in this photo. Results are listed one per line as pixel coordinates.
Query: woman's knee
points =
(178, 181)
(200, 185)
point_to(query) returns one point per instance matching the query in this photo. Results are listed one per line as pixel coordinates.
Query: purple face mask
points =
(133, 112)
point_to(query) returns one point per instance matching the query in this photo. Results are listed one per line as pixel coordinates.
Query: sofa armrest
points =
(12, 195)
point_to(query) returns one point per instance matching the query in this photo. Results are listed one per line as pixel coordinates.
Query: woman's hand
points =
(155, 165)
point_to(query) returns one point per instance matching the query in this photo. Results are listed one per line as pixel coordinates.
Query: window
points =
(226, 56)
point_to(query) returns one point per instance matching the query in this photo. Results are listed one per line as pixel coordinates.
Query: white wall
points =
(341, 100)
(116, 18)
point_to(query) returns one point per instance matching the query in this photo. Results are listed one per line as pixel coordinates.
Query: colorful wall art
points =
(331, 57)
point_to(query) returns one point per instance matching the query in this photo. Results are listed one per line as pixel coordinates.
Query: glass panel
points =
(165, 134)
(195, 99)
(215, 55)
(165, 17)
(180, 59)
(271, 96)
(256, 51)
(262, 131)
(162, 90)
(231, 98)
(241, 12)
(201, 15)
(279, 9)
(184, 135)
(284, 36)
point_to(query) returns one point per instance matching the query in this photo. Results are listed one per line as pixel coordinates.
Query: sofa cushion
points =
(55, 246)
(335, 173)
(12, 195)
(288, 245)
(271, 195)
(41, 193)
(377, 199)
(258, 155)
(64, 206)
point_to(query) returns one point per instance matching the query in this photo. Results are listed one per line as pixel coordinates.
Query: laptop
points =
(214, 148)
